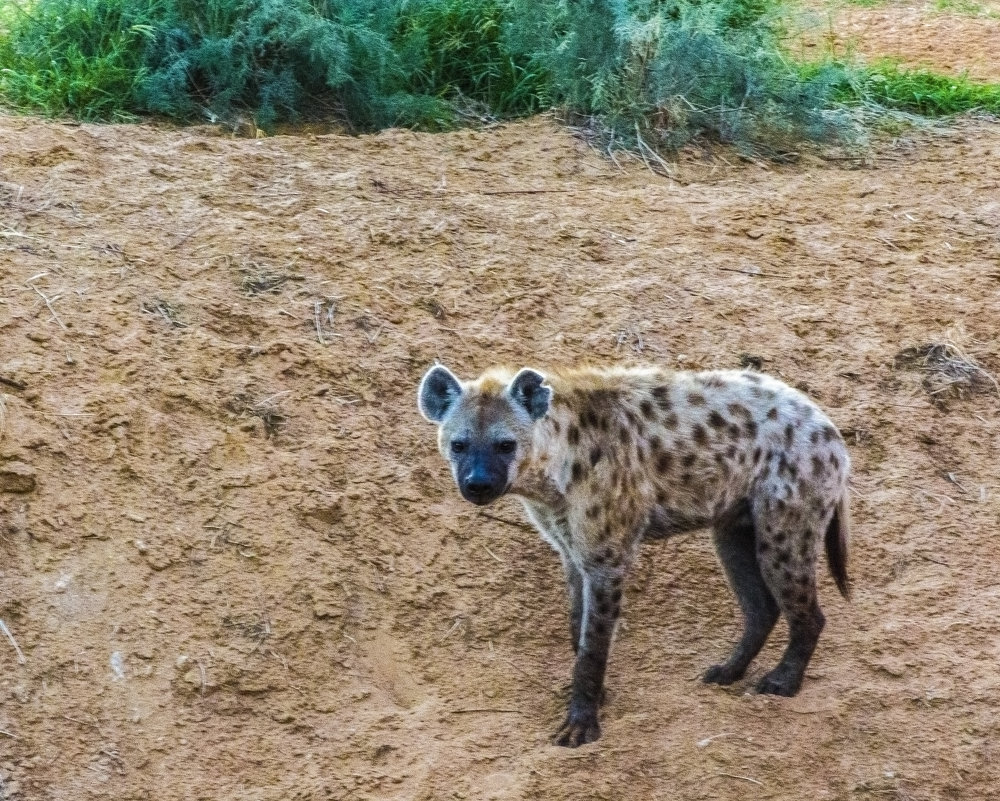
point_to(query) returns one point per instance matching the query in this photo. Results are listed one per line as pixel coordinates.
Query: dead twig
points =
(513, 523)
(17, 649)
(46, 299)
(742, 778)
(10, 382)
(319, 326)
(485, 711)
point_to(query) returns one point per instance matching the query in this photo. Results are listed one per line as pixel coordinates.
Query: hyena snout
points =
(480, 493)
(481, 480)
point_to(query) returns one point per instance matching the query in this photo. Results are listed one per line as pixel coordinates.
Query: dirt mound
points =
(237, 568)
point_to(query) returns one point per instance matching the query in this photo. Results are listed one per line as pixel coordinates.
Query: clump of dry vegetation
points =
(949, 370)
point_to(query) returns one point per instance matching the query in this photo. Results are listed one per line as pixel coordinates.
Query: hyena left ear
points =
(438, 392)
(528, 390)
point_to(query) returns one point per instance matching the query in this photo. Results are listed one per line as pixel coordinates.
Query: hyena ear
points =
(528, 390)
(438, 392)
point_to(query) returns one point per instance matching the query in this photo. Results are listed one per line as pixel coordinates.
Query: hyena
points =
(604, 458)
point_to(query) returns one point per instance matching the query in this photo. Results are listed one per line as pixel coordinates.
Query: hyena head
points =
(485, 427)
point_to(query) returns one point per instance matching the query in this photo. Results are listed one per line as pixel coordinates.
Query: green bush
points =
(660, 71)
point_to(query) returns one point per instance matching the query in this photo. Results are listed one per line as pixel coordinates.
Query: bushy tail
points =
(837, 537)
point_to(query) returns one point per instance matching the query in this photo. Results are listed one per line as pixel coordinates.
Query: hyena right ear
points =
(529, 390)
(438, 391)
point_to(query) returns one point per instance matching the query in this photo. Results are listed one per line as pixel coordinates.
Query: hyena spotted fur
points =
(604, 458)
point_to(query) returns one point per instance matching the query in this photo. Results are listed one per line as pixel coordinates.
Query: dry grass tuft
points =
(267, 410)
(260, 279)
(949, 369)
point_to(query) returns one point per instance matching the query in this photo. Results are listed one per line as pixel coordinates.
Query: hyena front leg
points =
(574, 588)
(601, 595)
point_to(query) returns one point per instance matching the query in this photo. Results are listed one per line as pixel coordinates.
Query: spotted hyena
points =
(604, 458)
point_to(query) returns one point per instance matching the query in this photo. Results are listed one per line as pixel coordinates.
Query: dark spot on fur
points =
(593, 510)
(686, 478)
(763, 546)
(756, 455)
(655, 443)
(616, 595)
(716, 420)
(595, 455)
(670, 421)
(624, 435)
(731, 452)
(819, 468)
(600, 627)
(751, 427)
(696, 399)
(661, 395)
(829, 433)
(664, 462)
(573, 435)
(700, 434)
(689, 459)
(782, 556)
(733, 431)
(556, 426)
(789, 435)
(773, 413)
(579, 471)
(738, 410)
(814, 438)
(835, 461)
(647, 409)
(712, 381)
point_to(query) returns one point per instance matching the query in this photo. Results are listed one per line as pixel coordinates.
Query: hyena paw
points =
(721, 674)
(579, 728)
(779, 682)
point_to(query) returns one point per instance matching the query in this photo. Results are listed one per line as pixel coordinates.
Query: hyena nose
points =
(478, 489)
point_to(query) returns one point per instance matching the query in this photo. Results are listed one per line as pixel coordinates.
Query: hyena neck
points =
(538, 479)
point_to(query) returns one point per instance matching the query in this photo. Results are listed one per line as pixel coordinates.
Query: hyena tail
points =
(837, 536)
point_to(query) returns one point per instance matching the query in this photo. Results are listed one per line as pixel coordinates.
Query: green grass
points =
(922, 91)
(968, 8)
(83, 58)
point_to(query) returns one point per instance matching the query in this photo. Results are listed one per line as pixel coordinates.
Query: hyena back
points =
(603, 458)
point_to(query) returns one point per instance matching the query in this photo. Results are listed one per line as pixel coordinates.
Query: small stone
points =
(17, 477)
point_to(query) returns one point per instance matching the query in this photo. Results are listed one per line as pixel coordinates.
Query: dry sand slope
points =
(242, 571)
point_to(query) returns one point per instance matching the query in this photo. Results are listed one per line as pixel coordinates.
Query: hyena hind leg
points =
(736, 544)
(789, 569)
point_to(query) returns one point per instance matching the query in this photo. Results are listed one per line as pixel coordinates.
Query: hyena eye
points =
(459, 446)
(506, 446)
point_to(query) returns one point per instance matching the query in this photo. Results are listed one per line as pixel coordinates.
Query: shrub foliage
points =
(658, 70)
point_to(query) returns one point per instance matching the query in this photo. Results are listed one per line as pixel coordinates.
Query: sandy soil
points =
(952, 36)
(237, 568)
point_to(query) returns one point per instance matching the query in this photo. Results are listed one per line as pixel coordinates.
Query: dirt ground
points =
(956, 36)
(238, 569)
